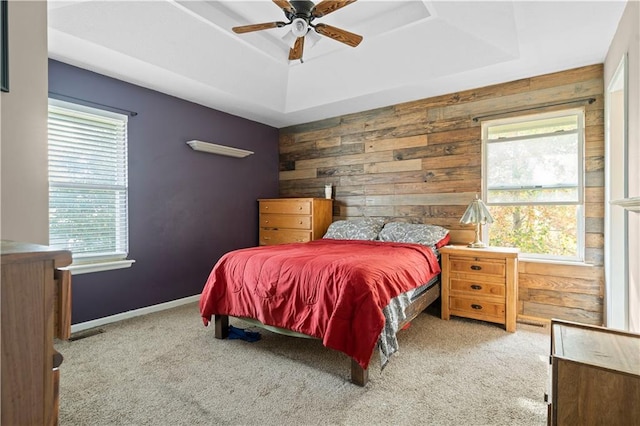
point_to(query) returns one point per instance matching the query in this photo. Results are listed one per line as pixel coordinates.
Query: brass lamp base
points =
(477, 243)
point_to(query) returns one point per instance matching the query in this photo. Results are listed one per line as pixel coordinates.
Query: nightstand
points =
(480, 283)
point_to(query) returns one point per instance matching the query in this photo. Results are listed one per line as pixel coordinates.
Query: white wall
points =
(627, 41)
(23, 113)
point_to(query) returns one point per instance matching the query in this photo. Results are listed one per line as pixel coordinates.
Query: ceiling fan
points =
(301, 15)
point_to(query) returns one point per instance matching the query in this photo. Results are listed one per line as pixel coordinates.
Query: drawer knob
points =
(476, 287)
(476, 267)
(474, 306)
(266, 238)
(266, 221)
(300, 222)
(300, 208)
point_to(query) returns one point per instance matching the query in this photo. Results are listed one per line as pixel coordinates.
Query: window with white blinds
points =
(88, 182)
(533, 182)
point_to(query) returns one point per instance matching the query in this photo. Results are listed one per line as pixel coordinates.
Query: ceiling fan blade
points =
(339, 35)
(326, 7)
(285, 5)
(257, 27)
(296, 51)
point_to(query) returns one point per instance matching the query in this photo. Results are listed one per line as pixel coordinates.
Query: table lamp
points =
(478, 214)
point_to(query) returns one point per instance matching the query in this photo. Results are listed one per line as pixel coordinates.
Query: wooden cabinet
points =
(293, 220)
(480, 283)
(35, 309)
(595, 375)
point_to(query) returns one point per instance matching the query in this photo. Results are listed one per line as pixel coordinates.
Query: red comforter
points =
(334, 290)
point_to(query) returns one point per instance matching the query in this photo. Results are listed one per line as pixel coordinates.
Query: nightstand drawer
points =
(472, 288)
(272, 236)
(478, 309)
(286, 207)
(285, 221)
(470, 265)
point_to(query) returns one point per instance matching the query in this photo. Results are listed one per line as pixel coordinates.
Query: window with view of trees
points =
(533, 183)
(88, 182)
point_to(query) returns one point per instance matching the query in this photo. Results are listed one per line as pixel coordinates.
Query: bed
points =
(353, 289)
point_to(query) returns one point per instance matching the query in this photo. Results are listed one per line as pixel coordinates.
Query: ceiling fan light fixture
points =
(299, 27)
(300, 15)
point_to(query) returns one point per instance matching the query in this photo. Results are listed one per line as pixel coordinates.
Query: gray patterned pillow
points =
(400, 232)
(357, 229)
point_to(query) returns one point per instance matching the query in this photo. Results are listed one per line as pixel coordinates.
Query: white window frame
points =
(95, 262)
(580, 218)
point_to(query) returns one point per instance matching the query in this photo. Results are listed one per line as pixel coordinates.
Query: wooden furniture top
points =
(296, 199)
(502, 252)
(612, 349)
(18, 252)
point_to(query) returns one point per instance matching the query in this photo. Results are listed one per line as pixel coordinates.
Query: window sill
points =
(556, 262)
(87, 268)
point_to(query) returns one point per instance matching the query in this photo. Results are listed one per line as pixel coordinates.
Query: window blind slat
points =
(93, 140)
(79, 146)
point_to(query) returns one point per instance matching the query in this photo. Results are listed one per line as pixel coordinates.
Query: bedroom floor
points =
(167, 369)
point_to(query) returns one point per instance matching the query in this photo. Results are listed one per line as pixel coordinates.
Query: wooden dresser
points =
(35, 309)
(293, 220)
(595, 375)
(480, 283)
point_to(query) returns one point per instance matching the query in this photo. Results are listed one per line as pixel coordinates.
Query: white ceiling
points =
(411, 50)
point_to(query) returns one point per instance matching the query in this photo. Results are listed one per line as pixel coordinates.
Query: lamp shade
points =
(299, 27)
(477, 212)
(290, 39)
(312, 38)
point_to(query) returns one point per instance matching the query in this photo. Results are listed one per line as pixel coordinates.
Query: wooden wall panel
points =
(563, 291)
(420, 162)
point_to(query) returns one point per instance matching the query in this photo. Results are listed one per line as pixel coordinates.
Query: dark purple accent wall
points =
(186, 208)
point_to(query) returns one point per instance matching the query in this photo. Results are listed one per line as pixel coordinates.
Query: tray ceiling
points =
(411, 50)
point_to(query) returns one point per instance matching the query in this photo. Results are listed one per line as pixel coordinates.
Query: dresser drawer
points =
(285, 221)
(470, 265)
(275, 236)
(473, 288)
(286, 207)
(478, 309)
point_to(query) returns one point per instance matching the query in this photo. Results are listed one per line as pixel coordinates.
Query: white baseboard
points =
(131, 314)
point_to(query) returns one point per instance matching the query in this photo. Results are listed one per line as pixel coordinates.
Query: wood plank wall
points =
(420, 162)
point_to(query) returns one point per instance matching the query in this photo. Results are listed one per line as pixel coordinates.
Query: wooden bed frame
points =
(359, 375)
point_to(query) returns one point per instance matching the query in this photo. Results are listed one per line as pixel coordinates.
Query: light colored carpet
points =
(168, 369)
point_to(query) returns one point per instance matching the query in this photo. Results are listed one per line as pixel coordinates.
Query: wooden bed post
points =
(359, 376)
(221, 326)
